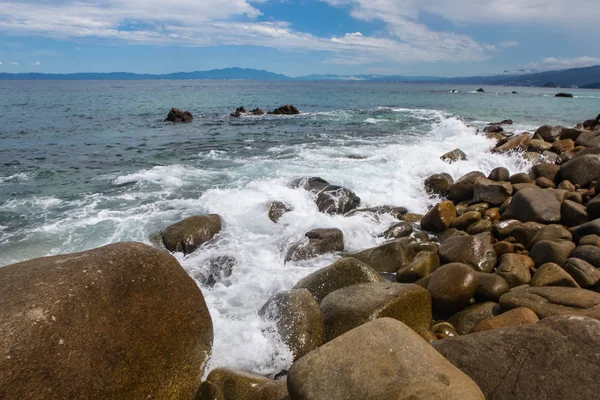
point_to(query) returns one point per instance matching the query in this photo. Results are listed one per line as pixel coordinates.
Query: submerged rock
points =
(276, 210)
(218, 270)
(188, 235)
(383, 359)
(176, 115)
(98, 324)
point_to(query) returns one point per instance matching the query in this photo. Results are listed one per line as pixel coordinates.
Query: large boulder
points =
(176, 115)
(229, 384)
(330, 199)
(383, 359)
(316, 243)
(440, 217)
(492, 192)
(298, 319)
(554, 359)
(536, 205)
(122, 321)
(389, 257)
(355, 305)
(188, 235)
(552, 300)
(438, 185)
(548, 133)
(345, 272)
(288, 109)
(463, 188)
(581, 170)
(476, 251)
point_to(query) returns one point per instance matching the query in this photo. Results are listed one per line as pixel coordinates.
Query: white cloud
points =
(0, 62)
(551, 63)
(233, 22)
(14, 63)
(37, 63)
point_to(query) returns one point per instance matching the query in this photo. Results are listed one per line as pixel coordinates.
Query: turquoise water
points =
(83, 164)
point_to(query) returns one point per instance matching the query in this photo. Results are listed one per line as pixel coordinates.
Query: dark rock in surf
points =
(191, 233)
(285, 110)
(276, 210)
(562, 94)
(439, 185)
(495, 128)
(331, 199)
(454, 155)
(480, 90)
(218, 270)
(238, 112)
(317, 242)
(176, 115)
(257, 111)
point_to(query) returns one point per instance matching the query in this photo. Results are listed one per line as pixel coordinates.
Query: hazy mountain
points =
(588, 77)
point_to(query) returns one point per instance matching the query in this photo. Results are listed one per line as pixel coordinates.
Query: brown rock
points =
(440, 217)
(573, 213)
(585, 274)
(490, 287)
(551, 274)
(188, 235)
(276, 210)
(516, 317)
(551, 252)
(536, 205)
(176, 115)
(452, 287)
(439, 185)
(454, 155)
(463, 188)
(518, 143)
(466, 319)
(491, 192)
(316, 242)
(499, 174)
(425, 263)
(476, 251)
(389, 257)
(515, 269)
(468, 218)
(581, 170)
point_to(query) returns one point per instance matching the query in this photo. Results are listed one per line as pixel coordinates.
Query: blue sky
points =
(299, 37)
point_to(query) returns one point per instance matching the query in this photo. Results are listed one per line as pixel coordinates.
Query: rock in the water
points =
(515, 269)
(219, 269)
(316, 243)
(345, 272)
(238, 112)
(493, 128)
(551, 274)
(490, 287)
(438, 185)
(480, 90)
(398, 230)
(257, 111)
(285, 110)
(454, 155)
(176, 115)
(330, 199)
(352, 306)
(463, 188)
(376, 212)
(229, 384)
(383, 359)
(466, 319)
(440, 217)
(389, 257)
(452, 287)
(554, 359)
(581, 170)
(537, 205)
(518, 143)
(492, 192)
(277, 209)
(562, 94)
(99, 324)
(515, 317)
(188, 235)
(476, 251)
(552, 300)
(298, 318)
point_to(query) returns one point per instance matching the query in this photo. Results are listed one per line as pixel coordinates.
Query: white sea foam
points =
(18, 177)
(392, 172)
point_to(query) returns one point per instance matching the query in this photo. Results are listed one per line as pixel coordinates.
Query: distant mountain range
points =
(588, 77)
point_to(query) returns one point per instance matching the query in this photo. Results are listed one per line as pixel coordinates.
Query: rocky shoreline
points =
(494, 293)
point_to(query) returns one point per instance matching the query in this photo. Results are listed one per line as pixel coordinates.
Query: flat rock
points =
(537, 205)
(515, 317)
(551, 274)
(556, 358)
(383, 359)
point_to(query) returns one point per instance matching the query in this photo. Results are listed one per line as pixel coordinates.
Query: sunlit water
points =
(84, 164)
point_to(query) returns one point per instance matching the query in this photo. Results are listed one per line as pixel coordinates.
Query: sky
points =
(299, 37)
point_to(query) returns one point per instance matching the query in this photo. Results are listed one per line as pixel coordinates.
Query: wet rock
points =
(438, 185)
(491, 192)
(548, 133)
(551, 274)
(526, 232)
(330, 199)
(553, 359)
(229, 384)
(277, 209)
(551, 252)
(238, 112)
(396, 212)
(593, 208)
(454, 155)
(398, 230)
(257, 111)
(585, 274)
(285, 110)
(352, 306)
(482, 226)
(573, 213)
(440, 217)
(345, 272)
(97, 325)
(466, 319)
(494, 128)
(412, 218)
(568, 95)
(480, 90)
(499, 174)
(468, 218)
(518, 143)
(188, 235)
(503, 229)
(218, 270)
(298, 319)
(443, 330)
(176, 115)
(515, 269)
(539, 146)
(563, 146)
(425, 263)
(476, 251)
(553, 300)
(581, 170)
(590, 254)
(316, 243)
(389, 257)
(490, 287)
(383, 359)
(537, 205)
(463, 188)
(452, 287)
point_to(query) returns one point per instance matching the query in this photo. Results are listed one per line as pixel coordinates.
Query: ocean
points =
(84, 164)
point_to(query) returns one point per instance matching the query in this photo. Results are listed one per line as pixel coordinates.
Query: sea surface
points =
(84, 164)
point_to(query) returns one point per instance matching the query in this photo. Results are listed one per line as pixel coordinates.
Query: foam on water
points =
(390, 171)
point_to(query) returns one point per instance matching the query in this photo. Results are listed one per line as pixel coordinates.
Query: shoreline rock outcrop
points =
(176, 115)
